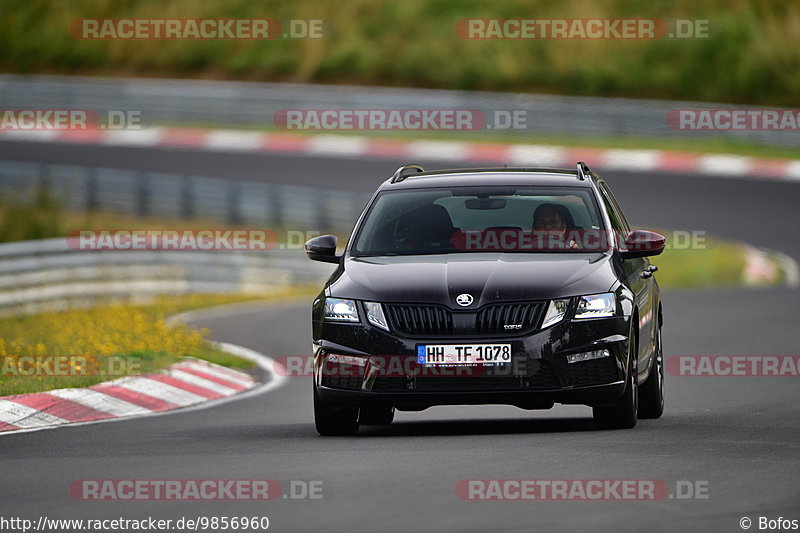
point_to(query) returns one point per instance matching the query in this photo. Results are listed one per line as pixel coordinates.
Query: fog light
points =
(587, 356)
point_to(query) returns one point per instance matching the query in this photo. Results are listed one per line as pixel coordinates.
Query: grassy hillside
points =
(753, 56)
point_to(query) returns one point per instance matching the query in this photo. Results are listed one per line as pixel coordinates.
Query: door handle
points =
(652, 268)
(646, 274)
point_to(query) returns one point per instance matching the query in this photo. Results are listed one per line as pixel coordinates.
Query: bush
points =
(41, 216)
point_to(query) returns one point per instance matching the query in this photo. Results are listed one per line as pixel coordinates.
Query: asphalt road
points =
(740, 436)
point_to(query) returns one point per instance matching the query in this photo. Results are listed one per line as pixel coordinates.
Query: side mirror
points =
(643, 243)
(323, 248)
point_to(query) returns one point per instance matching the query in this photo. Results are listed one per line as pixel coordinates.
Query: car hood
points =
(487, 277)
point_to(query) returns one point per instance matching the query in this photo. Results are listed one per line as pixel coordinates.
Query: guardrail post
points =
(44, 178)
(187, 207)
(142, 194)
(321, 211)
(91, 189)
(234, 197)
(276, 206)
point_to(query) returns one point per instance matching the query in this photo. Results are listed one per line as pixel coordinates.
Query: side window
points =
(612, 213)
(617, 210)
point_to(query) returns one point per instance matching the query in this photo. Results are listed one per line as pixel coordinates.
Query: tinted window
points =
(617, 211)
(440, 220)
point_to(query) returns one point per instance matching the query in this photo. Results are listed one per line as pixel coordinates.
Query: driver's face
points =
(548, 220)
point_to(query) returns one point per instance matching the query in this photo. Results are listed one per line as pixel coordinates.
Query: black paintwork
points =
(493, 277)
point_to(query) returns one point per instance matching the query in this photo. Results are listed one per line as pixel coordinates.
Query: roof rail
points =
(403, 172)
(583, 170)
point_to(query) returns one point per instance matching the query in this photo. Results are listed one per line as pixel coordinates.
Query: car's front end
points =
(414, 348)
(489, 287)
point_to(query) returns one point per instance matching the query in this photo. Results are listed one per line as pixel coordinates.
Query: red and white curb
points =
(188, 384)
(763, 267)
(513, 154)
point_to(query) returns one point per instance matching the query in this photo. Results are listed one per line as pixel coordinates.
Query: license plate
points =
(463, 354)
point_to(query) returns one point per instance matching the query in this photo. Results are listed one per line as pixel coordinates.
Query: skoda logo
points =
(464, 299)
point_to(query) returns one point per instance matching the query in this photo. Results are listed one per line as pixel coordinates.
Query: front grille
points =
(507, 319)
(421, 320)
(493, 319)
(390, 383)
(594, 372)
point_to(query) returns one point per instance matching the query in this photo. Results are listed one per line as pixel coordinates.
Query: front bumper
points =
(538, 376)
(528, 399)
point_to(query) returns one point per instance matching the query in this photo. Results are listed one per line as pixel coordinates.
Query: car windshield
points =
(481, 219)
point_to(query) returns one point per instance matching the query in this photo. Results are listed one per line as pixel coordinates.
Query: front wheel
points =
(651, 395)
(622, 415)
(331, 421)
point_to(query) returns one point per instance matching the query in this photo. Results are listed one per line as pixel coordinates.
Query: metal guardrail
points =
(169, 195)
(49, 275)
(254, 104)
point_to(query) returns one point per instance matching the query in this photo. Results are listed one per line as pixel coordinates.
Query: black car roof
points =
(548, 177)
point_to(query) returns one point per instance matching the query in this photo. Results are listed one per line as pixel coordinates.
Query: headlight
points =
(339, 310)
(556, 311)
(596, 306)
(375, 315)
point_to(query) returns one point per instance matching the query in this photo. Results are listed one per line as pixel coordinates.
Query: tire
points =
(334, 422)
(376, 415)
(622, 415)
(651, 393)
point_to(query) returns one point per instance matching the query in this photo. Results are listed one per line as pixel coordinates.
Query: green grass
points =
(40, 216)
(124, 339)
(751, 58)
(721, 264)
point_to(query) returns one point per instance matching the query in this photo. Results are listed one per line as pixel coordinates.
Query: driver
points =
(550, 222)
